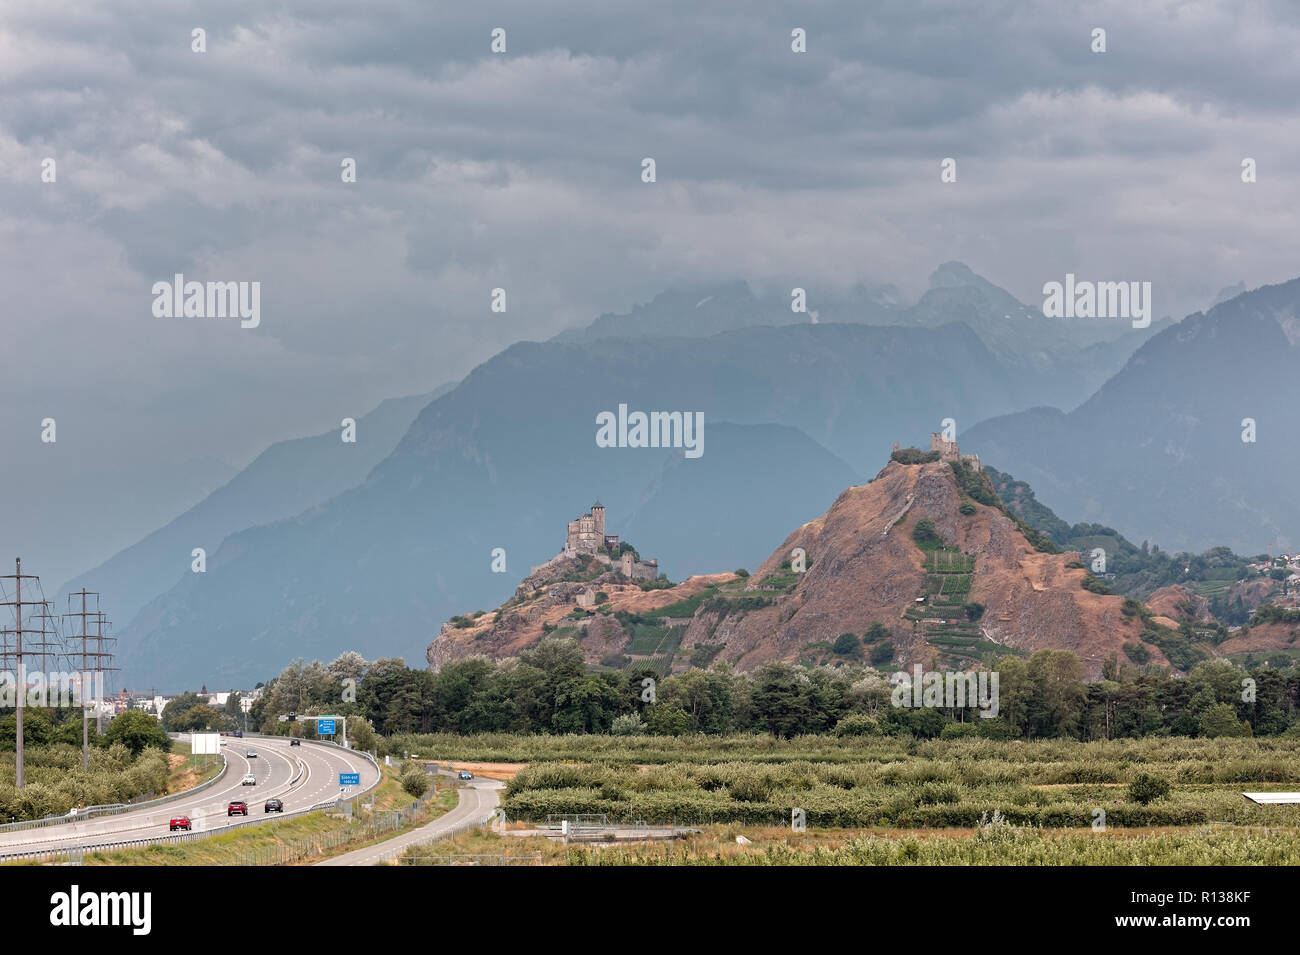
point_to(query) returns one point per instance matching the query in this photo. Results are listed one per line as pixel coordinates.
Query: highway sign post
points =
(325, 725)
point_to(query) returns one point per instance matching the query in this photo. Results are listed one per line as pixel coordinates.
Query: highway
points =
(276, 765)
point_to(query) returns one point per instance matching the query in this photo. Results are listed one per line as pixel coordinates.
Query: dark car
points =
(179, 822)
(239, 734)
(273, 805)
(295, 742)
(237, 808)
(464, 774)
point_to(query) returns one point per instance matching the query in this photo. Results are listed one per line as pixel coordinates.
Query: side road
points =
(477, 803)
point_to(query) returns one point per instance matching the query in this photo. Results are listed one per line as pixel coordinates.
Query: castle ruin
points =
(948, 451)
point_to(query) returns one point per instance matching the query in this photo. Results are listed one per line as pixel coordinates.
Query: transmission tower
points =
(17, 653)
(86, 654)
(102, 623)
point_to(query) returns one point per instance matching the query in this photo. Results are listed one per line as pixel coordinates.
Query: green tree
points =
(137, 730)
(1059, 692)
(199, 717)
(845, 644)
(705, 695)
(360, 734)
(175, 707)
(780, 699)
(584, 705)
(1221, 720)
(666, 719)
(36, 729)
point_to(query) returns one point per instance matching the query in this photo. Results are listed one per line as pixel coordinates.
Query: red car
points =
(237, 808)
(179, 822)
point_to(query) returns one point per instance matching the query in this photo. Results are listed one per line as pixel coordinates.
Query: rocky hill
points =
(921, 565)
(1175, 604)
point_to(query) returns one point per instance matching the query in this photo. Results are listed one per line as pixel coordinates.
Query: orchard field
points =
(885, 801)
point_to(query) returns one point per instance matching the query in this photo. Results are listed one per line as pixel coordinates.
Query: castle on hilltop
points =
(586, 535)
(948, 451)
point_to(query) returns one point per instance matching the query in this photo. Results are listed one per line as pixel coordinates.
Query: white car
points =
(249, 780)
(250, 754)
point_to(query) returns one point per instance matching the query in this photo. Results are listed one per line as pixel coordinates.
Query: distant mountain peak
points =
(954, 274)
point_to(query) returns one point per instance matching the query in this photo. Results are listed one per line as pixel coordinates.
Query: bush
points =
(914, 456)
(881, 653)
(924, 533)
(1146, 788)
(845, 644)
(967, 508)
(974, 610)
(742, 573)
(629, 724)
(858, 724)
(1093, 585)
(415, 782)
(1137, 652)
(750, 787)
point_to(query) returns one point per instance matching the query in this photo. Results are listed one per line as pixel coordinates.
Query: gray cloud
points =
(522, 171)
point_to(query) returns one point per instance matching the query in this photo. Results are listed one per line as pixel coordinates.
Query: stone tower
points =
(598, 513)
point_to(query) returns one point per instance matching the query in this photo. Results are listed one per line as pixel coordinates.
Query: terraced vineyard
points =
(654, 646)
(942, 617)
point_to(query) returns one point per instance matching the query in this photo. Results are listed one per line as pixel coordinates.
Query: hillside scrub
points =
(55, 780)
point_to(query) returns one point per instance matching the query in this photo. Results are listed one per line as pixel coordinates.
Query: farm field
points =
(990, 845)
(896, 801)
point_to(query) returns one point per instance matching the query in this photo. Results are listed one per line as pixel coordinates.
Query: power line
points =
(17, 655)
(85, 636)
(101, 623)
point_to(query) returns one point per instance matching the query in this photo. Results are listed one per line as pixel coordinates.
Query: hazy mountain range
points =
(283, 480)
(1158, 451)
(324, 552)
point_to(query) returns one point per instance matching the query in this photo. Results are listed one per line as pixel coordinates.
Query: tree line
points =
(549, 689)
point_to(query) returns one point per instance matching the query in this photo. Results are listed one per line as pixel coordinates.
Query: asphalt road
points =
(275, 766)
(477, 802)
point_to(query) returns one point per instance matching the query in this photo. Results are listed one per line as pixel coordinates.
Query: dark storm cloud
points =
(522, 171)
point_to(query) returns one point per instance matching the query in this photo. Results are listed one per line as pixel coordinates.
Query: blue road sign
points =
(325, 728)
(349, 779)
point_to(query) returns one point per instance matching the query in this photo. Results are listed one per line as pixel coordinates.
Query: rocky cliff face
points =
(977, 588)
(864, 567)
(1177, 605)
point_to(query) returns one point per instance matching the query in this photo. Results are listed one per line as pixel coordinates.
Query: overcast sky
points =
(522, 170)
